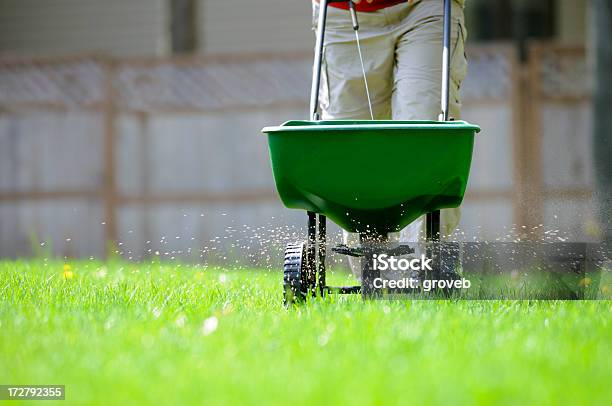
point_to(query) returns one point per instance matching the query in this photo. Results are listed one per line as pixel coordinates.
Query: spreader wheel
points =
(295, 281)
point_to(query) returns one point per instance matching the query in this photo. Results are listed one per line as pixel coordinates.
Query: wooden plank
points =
(532, 143)
(229, 108)
(198, 198)
(110, 187)
(489, 194)
(210, 59)
(13, 108)
(10, 196)
(7, 59)
(255, 196)
(569, 193)
(517, 96)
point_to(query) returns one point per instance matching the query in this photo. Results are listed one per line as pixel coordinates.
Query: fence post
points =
(531, 140)
(520, 134)
(602, 114)
(110, 187)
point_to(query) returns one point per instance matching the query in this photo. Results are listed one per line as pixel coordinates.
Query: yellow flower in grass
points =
(585, 282)
(67, 274)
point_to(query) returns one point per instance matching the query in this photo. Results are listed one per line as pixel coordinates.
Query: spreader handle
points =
(353, 15)
(316, 67)
(446, 39)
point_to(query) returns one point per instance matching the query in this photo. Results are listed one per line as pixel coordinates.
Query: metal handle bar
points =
(316, 68)
(446, 37)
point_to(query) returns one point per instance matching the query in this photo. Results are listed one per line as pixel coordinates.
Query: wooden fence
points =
(96, 149)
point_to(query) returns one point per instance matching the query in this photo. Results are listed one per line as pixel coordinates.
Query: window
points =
(183, 26)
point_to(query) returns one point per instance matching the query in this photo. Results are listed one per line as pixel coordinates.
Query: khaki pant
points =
(402, 52)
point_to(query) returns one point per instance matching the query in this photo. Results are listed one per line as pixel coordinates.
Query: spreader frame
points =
(315, 257)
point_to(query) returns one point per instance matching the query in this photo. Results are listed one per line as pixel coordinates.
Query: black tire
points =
(295, 283)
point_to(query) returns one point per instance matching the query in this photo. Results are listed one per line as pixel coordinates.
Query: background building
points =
(163, 27)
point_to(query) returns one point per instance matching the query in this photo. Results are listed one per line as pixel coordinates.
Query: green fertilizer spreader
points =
(370, 177)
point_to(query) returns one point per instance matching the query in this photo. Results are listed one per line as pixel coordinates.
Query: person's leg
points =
(417, 80)
(343, 94)
(418, 68)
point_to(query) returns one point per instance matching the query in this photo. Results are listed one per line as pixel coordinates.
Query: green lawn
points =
(172, 334)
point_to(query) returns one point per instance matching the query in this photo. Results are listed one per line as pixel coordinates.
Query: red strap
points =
(364, 6)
